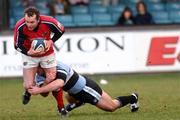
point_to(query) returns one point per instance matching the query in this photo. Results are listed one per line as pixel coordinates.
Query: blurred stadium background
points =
(91, 14)
(143, 58)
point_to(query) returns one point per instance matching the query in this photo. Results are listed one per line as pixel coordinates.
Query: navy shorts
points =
(91, 93)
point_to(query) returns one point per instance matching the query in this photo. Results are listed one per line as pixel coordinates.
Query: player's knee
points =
(27, 85)
(110, 107)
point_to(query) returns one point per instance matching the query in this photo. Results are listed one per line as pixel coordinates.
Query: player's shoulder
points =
(63, 66)
(45, 18)
(20, 23)
(50, 20)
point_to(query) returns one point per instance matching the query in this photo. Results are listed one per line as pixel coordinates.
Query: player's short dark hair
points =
(30, 11)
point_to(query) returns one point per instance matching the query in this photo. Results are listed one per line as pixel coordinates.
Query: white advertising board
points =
(97, 52)
(157, 51)
(105, 52)
(10, 59)
(86, 53)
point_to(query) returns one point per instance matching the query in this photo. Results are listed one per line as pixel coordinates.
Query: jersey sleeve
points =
(61, 74)
(19, 39)
(57, 28)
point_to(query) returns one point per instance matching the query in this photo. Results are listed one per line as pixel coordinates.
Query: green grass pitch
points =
(159, 99)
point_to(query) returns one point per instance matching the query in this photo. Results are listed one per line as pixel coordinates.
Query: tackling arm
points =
(50, 87)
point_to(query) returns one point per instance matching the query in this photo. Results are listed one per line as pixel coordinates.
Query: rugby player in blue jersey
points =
(83, 90)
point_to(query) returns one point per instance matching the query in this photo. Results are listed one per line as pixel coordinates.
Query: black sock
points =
(124, 100)
(70, 107)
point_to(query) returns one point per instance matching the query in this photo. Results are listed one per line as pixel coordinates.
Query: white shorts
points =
(45, 61)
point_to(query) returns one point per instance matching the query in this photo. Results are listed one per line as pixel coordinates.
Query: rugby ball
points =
(38, 45)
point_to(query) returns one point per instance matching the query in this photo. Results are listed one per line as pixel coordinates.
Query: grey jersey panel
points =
(65, 69)
(81, 82)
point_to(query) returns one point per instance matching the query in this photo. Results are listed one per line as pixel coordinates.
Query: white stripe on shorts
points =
(92, 92)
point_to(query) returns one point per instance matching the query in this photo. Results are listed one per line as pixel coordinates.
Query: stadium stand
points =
(173, 6)
(115, 17)
(79, 10)
(116, 8)
(67, 20)
(95, 2)
(174, 16)
(95, 14)
(83, 20)
(161, 17)
(97, 9)
(156, 7)
(152, 1)
(102, 19)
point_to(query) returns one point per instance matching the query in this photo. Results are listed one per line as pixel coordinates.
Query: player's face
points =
(31, 22)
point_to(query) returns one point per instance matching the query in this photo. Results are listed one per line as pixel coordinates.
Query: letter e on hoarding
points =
(158, 49)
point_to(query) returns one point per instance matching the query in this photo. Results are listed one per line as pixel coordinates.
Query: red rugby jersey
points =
(23, 37)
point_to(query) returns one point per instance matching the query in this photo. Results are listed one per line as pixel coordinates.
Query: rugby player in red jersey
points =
(35, 26)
